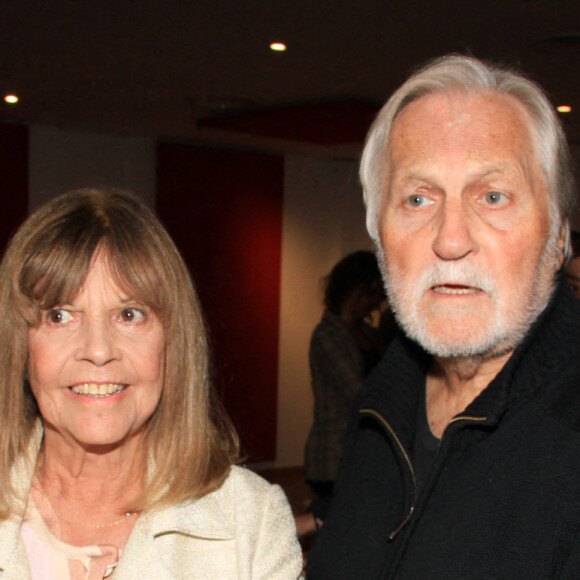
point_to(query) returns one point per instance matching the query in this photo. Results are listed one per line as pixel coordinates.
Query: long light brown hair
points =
(190, 443)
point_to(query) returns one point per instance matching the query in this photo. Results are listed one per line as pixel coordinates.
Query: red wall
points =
(13, 179)
(223, 208)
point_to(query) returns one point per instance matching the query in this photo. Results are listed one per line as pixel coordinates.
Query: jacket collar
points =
(13, 557)
(204, 518)
(540, 362)
(207, 517)
(550, 348)
(393, 388)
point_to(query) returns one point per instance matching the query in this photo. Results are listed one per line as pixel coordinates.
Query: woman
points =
(343, 349)
(114, 460)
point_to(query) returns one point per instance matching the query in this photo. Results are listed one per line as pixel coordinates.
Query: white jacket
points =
(242, 531)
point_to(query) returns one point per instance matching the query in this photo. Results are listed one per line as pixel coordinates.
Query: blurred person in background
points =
(343, 349)
(572, 270)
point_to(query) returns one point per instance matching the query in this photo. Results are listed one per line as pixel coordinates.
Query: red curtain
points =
(13, 179)
(223, 208)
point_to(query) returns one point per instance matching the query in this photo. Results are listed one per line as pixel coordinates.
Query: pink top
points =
(51, 559)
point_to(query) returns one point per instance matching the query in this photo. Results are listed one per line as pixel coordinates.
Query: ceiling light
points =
(278, 46)
(564, 109)
(11, 99)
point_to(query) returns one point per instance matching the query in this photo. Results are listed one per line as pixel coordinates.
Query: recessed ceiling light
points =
(11, 99)
(278, 46)
(564, 109)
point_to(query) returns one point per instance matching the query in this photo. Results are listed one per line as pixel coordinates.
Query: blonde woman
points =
(115, 462)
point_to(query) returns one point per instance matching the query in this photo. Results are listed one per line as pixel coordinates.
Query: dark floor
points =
(291, 480)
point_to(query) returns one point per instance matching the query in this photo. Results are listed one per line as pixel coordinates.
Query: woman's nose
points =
(97, 342)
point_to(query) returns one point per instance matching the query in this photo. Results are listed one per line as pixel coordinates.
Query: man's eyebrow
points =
(572, 277)
(477, 173)
(414, 176)
(504, 169)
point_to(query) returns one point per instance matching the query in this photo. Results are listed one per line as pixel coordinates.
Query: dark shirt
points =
(425, 445)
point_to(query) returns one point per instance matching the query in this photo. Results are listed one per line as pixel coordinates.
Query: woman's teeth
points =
(97, 389)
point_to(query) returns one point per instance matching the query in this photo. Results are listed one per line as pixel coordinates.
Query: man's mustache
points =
(446, 273)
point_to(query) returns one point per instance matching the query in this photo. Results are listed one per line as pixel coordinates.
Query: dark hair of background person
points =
(356, 269)
(575, 238)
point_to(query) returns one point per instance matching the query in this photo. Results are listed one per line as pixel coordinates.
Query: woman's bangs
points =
(55, 277)
(139, 274)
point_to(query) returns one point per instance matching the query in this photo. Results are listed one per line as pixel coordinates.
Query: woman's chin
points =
(95, 436)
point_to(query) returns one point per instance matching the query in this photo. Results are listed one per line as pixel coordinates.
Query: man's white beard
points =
(500, 334)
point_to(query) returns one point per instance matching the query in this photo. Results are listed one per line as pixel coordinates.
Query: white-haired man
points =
(462, 459)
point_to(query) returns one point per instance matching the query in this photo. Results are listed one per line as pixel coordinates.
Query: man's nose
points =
(97, 342)
(453, 238)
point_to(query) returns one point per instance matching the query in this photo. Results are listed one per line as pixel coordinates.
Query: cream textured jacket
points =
(242, 531)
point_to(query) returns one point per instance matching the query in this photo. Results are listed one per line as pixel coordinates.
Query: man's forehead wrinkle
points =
(503, 168)
(429, 174)
(454, 123)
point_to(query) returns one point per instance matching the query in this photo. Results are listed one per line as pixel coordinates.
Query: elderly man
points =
(462, 459)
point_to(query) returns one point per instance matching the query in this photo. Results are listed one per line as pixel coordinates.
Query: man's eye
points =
(132, 315)
(495, 197)
(418, 200)
(58, 316)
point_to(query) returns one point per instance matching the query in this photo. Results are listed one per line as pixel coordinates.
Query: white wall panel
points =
(323, 221)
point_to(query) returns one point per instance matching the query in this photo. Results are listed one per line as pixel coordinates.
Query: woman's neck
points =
(89, 492)
(92, 476)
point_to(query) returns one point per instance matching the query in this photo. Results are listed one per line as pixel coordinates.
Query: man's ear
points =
(563, 242)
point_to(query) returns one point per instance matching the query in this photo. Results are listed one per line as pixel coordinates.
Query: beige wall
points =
(323, 221)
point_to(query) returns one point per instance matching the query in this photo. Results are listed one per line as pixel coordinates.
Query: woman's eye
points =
(58, 316)
(495, 197)
(418, 200)
(132, 315)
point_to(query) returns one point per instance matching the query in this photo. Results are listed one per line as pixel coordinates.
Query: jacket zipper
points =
(386, 424)
(464, 418)
(455, 420)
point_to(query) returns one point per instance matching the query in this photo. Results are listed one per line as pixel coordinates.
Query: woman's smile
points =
(99, 390)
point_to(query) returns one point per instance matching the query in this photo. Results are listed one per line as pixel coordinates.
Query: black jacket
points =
(502, 499)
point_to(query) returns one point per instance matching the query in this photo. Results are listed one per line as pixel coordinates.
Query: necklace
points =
(125, 517)
(36, 485)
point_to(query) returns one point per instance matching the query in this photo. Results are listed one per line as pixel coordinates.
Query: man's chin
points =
(460, 344)
(454, 351)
